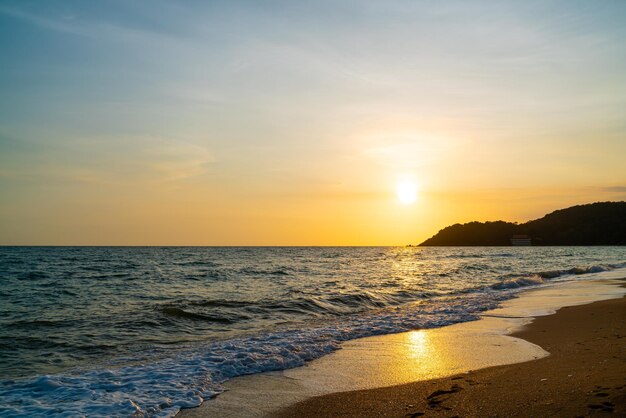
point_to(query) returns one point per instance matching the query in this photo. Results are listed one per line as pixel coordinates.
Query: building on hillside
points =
(521, 240)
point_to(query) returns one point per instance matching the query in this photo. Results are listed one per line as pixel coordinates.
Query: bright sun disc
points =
(407, 192)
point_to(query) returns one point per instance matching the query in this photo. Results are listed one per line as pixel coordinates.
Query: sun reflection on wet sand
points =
(376, 362)
(419, 342)
(401, 358)
(417, 355)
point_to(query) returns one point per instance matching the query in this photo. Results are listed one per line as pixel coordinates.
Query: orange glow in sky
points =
(235, 124)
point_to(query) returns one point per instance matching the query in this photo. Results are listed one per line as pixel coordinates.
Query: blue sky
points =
(231, 117)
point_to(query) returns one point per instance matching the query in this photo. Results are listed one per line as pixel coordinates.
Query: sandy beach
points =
(522, 359)
(584, 375)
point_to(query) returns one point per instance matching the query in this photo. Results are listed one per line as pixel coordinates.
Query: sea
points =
(146, 331)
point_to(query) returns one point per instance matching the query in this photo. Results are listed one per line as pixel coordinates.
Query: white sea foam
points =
(161, 388)
(520, 282)
(185, 380)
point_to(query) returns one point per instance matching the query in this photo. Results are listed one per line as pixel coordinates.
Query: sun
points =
(406, 191)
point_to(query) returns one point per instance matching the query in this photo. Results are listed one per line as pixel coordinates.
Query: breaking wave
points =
(148, 331)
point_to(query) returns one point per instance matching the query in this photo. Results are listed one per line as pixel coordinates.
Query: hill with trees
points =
(602, 223)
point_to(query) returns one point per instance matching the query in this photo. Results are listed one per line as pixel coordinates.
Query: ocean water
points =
(145, 331)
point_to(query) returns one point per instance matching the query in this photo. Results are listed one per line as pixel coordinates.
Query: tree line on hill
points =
(601, 223)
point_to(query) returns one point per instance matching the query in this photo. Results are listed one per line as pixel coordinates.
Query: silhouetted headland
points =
(602, 223)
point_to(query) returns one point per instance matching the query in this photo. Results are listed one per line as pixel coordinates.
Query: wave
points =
(180, 313)
(491, 255)
(191, 374)
(221, 303)
(519, 282)
(35, 275)
(207, 273)
(37, 323)
(280, 271)
(164, 387)
(578, 270)
(199, 263)
(543, 277)
(351, 303)
(334, 305)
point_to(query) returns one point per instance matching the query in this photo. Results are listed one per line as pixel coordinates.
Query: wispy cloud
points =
(406, 150)
(615, 189)
(119, 161)
(95, 28)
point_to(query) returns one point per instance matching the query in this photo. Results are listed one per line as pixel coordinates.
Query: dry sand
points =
(585, 375)
(424, 372)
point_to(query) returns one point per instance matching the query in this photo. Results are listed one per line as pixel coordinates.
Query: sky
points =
(293, 123)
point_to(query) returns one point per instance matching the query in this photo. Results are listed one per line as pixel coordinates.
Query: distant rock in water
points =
(602, 223)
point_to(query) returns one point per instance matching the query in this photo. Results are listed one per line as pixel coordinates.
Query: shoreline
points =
(584, 375)
(398, 359)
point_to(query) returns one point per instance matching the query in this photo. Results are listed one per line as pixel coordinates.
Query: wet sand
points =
(584, 375)
(414, 365)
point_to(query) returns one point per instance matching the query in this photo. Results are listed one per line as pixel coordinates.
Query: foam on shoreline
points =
(192, 374)
(394, 359)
